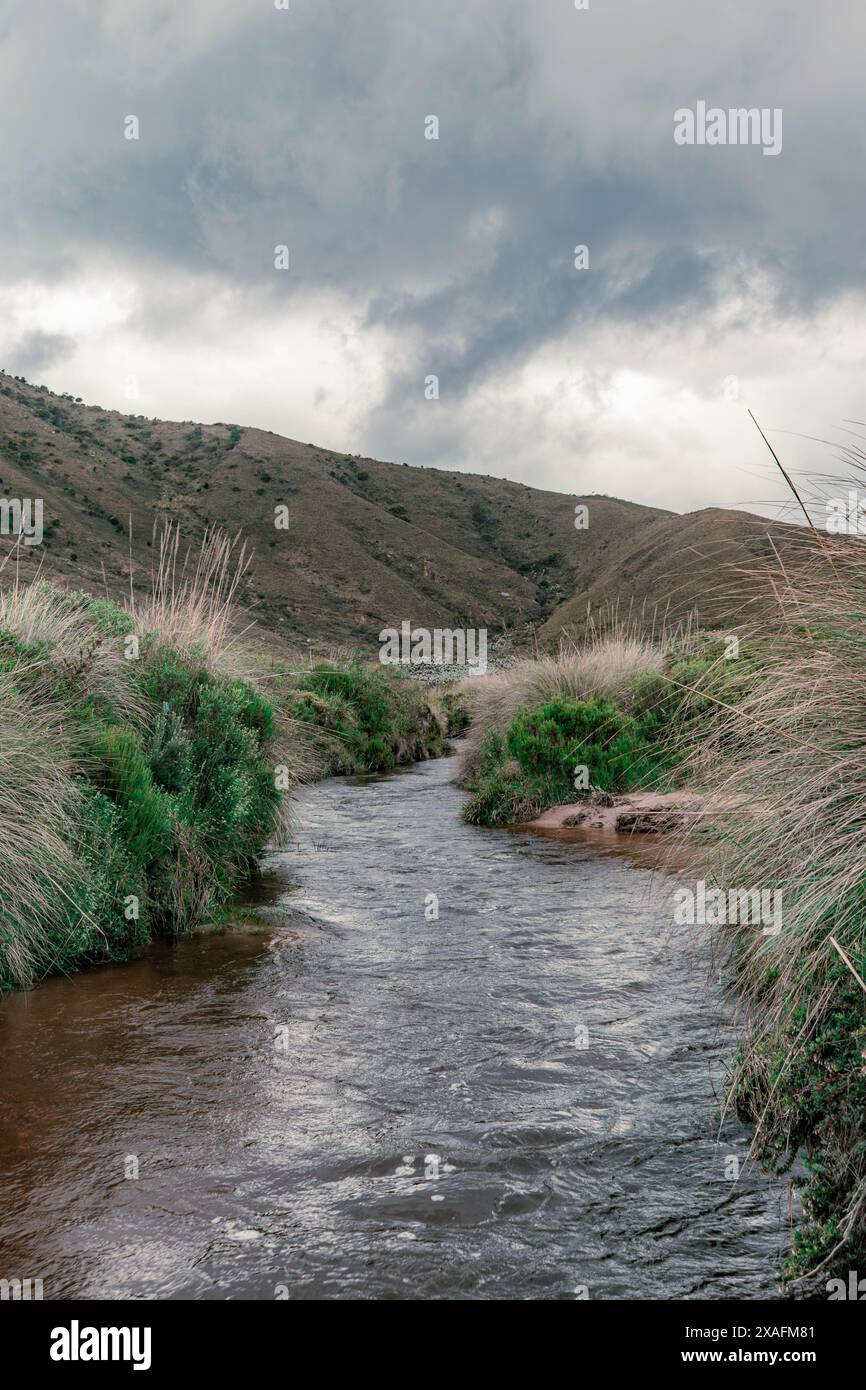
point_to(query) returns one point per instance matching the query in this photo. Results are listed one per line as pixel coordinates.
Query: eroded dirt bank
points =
(638, 812)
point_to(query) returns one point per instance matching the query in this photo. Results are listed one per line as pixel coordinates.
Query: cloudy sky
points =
(140, 273)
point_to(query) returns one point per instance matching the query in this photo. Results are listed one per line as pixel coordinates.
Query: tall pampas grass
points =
(786, 809)
(38, 801)
(192, 601)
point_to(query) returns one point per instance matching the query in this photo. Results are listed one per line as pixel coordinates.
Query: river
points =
(355, 1098)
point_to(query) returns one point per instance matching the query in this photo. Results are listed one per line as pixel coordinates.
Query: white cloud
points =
(207, 352)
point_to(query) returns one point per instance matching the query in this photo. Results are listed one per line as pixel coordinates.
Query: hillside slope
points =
(702, 561)
(369, 543)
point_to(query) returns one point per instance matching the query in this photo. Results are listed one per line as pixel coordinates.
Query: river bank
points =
(634, 813)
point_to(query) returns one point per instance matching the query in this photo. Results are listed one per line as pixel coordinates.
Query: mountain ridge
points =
(369, 543)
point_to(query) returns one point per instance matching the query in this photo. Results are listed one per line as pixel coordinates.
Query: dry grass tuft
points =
(786, 768)
(192, 601)
(38, 800)
(62, 640)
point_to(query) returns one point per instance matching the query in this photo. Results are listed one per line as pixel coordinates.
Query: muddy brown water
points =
(356, 1100)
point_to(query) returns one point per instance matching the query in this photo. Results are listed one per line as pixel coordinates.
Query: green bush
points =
(108, 916)
(533, 764)
(556, 736)
(208, 758)
(457, 710)
(165, 775)
(364, 719)
(146, 813)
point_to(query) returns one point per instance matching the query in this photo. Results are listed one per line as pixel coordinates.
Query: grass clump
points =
(533, 764)
(363, 718)
(787, 771)
(139, 781)
(613, 716)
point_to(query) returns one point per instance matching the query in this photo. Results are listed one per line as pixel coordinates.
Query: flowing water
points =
(515, 1100)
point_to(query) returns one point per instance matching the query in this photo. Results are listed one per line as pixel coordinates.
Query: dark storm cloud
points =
(312, 121)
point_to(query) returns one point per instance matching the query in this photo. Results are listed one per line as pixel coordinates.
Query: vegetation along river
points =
(517, 1099)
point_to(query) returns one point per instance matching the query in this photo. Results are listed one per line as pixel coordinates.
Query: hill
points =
(368, 543)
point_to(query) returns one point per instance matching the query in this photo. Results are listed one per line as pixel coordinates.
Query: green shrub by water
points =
(533, 765)
(630, 728)
(152, 796)
(364, 718)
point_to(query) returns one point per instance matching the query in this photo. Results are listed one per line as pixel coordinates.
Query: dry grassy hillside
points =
(369, 543)
(703, 561)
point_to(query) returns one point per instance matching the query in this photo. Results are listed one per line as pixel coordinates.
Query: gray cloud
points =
(34, 352)
(260, 127)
